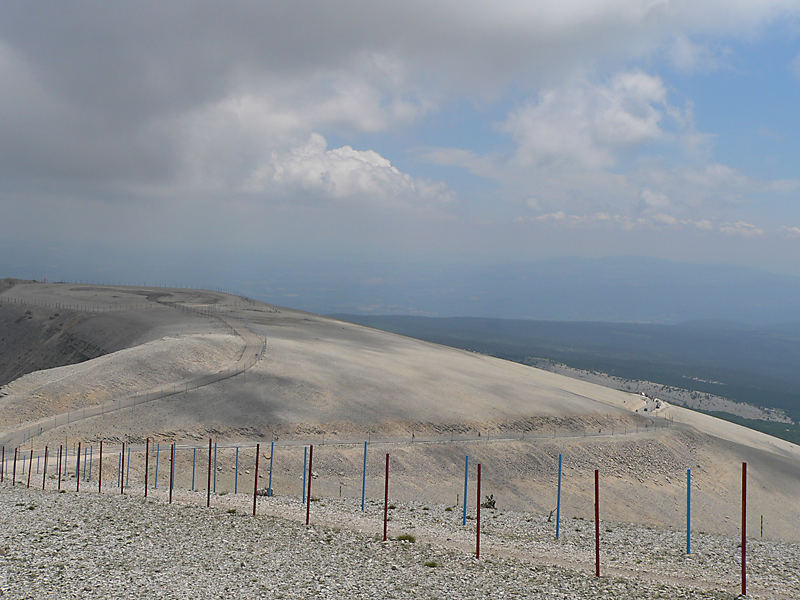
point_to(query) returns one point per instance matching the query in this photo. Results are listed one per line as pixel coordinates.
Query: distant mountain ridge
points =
(627, 289)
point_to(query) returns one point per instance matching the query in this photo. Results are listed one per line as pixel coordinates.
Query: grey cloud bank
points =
(144, 137)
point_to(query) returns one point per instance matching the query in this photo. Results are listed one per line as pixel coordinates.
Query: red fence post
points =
(30, 463)
(478, 519)
(308, 495)
(60, 452)
(146, 464)
(3, 470)
(78, 470)
(597, 523)
(208, 496)
(255, 480)
(744, 529)
(386, 501)
(14, 470)
(171, 470)
(44, 471)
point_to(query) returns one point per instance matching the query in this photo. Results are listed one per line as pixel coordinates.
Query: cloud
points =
(741, 228)
(587, 123)
(790, 231)
(343, 173)
(689, 56)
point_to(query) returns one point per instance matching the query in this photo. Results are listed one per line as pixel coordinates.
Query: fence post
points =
(478, 519)
(119, 469)
(155, 478)
(236, 473)
(255, 480)
(597, 522)
(688, 511)
(128, 468)
(3, 470)
(78, 469)
(30, 469)
(44, 471)
(308, 494)
(208, 487)
(59, 466)
(171, 470)
(194, 462)
(271, 455)
(146, 464)
(363, 478)
(466, 479)
(305, 465)
(744, 529)
(122, 469)
(99, 468)
(386, 500)
(215, 467)
(14, 470)
(558, 498)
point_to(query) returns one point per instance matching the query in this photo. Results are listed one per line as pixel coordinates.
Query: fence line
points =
(86, 475)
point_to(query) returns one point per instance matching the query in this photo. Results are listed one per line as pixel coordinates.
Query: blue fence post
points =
(688, 511)
(215, 467)
(236, 474)
(271, 456)
(194, 462)
(155, 480)
(558, 500)
(466, 477)
(128, 467)
(305, 466)
(364, 478)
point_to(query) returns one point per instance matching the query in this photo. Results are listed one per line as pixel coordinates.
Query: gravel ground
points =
(68, 545)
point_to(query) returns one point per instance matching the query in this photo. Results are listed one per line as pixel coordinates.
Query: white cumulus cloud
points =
(343, 172)
(587, 123)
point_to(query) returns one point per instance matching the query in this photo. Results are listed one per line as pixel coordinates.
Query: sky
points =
(135, 135)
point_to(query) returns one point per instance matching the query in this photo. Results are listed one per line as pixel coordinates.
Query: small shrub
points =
(431, 563)
(406, 537)
(231, 511)
(448, 509)
(392, 507)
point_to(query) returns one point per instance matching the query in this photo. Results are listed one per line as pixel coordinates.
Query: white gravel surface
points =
(68, 545)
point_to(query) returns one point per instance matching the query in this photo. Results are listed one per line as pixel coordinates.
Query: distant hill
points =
(622, 289)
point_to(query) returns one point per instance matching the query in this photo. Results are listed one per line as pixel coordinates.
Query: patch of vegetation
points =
(431, 563)
(231, 511)
(392, 507)
(448, 509)
(406, 537)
